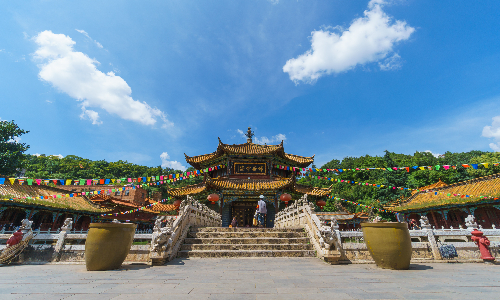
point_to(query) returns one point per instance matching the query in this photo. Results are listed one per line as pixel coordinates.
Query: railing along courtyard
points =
(158, 245)
(162, 243)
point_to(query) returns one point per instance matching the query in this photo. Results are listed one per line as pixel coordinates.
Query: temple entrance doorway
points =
(244, 212)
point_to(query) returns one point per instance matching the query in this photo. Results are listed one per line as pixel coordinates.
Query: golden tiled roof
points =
(484, 186)
(188, 190)
(64, 203)
(312, 191)
(98, 198)
(251, 148)
(433, 186)
(249, 184)
(300, 159)
(161, 207)
(248, 149)
(200, 158)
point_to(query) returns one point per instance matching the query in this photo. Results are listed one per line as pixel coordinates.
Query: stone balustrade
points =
(164, 241)
(324, 239)
(425, 244)
(69, 246)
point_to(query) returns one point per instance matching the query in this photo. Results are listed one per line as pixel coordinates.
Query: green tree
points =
(11, 151)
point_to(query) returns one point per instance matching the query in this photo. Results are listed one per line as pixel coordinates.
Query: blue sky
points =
(148, 81)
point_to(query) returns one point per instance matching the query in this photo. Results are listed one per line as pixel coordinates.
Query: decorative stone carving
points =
(162, 237)
(424, 223)
(470, 222)
(25, 225)
(334, 225)
(67, 225)
(328, 237)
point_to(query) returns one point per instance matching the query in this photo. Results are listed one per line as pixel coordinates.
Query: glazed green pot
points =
(389, 244)
(107, 245)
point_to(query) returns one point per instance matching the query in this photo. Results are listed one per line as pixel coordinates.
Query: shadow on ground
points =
(420, 267)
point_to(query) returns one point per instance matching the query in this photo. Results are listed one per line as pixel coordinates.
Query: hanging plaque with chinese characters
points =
(250, 168)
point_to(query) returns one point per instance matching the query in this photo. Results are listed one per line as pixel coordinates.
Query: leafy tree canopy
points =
(11, 150)
(378, 197)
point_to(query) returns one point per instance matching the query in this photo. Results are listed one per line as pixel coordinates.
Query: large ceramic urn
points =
(107, 245)
(389, 244)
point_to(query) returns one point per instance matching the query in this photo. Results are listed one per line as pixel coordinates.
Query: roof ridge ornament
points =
(249, 135)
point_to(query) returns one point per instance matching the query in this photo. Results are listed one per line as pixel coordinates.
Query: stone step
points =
(246, 253)
(247, 234)
(244, 229)
(240, 241)
(243, 247)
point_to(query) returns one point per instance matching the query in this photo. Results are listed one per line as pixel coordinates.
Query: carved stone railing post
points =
(66, 227)
(426, 227)
(166, 241)
(326, 240)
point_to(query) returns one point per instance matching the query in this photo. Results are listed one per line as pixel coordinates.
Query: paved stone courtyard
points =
(251, 278)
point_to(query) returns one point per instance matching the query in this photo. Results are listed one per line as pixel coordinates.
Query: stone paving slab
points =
(251, 278)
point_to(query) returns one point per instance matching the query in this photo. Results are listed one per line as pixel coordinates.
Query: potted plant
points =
(389, 243)
(108, 244)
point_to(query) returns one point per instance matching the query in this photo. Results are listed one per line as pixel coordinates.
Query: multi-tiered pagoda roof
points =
(269, 181)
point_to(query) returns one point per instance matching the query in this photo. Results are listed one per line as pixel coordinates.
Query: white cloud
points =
(334, 50)
(15, 140)
(173, 164)
(264, 140)
(48, 101)
(91, 115)
(75, 74)
(391, 63)
(56, 155)
(434, 154)
(274, 139)
(493, 131)
(88, 36)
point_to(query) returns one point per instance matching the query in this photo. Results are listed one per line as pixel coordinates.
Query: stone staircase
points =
(246, 242)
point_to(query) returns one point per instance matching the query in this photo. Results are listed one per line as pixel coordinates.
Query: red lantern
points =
(285, 198)
(320, 203)
(177, 203)
(213, 198)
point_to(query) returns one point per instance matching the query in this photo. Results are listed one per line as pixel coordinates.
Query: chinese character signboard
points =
(250, 168)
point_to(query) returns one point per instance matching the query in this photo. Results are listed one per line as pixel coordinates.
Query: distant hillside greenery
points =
(378, 197)
(74, 167)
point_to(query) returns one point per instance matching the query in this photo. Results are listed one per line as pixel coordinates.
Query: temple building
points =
(447, 205)
(248, 171)
(47, 213)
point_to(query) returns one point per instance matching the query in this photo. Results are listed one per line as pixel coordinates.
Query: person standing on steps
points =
(234, 223)
(261, 210)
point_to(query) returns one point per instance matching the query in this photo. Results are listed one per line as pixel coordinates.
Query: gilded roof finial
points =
(249, 135)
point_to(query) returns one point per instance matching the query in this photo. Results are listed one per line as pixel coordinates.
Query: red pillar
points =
(444, 218)
(434, 218)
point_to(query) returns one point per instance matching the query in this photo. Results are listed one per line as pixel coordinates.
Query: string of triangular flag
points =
(408, 169)
(71, 195)
(106, 181)
(136, 209)
(401, 188)
(362, 183)
(363, 205)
